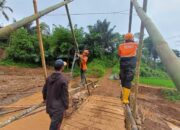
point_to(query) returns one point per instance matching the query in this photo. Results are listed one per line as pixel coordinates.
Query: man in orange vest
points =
(127, 54)
(83, 65)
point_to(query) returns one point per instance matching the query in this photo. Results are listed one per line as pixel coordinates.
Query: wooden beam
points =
(40, 40)
(138, 63)
(20, 115)
(130, 17)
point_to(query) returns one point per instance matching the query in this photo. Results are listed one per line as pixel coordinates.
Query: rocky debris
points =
(78, 98)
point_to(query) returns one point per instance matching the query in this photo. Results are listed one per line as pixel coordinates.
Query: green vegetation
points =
(115, 69)
(97, 67)
(172, 95)
(22, 49)
(160, 82)
(7, 62)
(148, 71)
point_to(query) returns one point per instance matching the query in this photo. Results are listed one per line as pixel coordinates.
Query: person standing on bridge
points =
(56, 96)
(83, 65)
(127, 54)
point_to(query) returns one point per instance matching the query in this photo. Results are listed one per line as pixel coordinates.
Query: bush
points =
(146, 71)
(172, 95)
(23, 47)
(96, 68)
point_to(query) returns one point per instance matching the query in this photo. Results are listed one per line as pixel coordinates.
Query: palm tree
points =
(100, 38)
(4, 7)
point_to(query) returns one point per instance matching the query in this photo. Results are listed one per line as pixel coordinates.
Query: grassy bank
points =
(160, 82)
(7, 62)
(156, 78)
(150, 76)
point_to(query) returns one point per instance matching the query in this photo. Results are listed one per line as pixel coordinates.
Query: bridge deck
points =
(97, 113)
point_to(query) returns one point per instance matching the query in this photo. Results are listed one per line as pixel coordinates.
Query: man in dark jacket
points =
(55, 95)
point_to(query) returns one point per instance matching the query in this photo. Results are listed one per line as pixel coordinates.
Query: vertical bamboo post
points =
(128, 125)
(40, 40)
(74, 38)
(138, 63)
(71, 26)
(130, 17)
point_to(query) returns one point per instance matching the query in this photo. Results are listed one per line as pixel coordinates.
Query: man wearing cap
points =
(55, 95)
(127, 54)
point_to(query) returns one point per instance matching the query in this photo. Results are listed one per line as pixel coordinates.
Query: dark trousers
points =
(83, 76)
(56, 120)
(127, 67)
(126, 76)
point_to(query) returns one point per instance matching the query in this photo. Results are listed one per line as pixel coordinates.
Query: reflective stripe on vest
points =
(127, 49)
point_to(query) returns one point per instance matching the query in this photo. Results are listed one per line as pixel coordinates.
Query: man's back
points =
(55, 92)
(127, 49)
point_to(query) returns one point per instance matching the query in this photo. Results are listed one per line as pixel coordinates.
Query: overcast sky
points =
(164, 13)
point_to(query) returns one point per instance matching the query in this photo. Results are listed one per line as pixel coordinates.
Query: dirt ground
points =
(16, 83)
(156, 112)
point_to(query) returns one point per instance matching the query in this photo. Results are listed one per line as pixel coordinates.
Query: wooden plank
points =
(98, 113)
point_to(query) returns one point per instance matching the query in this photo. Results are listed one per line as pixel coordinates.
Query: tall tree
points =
(61, 40)
(3, 7)
(100, 38)
(151, 49)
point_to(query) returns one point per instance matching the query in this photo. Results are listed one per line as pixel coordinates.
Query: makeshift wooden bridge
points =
(97, 113)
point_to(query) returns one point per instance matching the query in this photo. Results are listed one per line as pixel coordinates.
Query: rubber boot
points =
(126, 93)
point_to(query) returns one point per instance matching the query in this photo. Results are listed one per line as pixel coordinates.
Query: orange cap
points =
(129, 36)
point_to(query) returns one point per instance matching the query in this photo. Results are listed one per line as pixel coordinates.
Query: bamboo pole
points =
(74, 38)
(18, 116)
(15, 106)
(40, 40)
(20, 92)
(71, 26)
(11, 111)
(130, 16)
(168, 58)
(138, 63)
(131, 124)
(5, 31)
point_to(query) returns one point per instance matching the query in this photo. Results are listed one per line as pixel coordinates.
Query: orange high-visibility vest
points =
(84, 60)
(127, 49)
